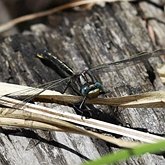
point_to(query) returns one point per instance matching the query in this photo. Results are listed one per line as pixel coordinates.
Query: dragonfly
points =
(83, 83)
(86, 83)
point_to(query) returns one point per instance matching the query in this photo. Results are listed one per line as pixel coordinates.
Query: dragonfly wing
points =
(30, 94)
(121, 64)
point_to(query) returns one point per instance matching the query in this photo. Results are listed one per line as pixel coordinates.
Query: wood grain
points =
(85, 39)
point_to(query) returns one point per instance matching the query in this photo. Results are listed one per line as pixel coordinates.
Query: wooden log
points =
(84, 40)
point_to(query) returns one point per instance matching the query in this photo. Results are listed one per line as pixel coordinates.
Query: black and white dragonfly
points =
(83, 83)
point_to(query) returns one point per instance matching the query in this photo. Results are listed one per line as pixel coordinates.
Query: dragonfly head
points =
(92, 90)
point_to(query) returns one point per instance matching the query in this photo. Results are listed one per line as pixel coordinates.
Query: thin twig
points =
(47, 123)
(153, 99)
(57, 117)
(29, 17)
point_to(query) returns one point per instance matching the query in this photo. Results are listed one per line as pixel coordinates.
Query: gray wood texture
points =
(83, 40)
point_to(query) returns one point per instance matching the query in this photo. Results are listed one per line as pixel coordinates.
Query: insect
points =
(84, 83)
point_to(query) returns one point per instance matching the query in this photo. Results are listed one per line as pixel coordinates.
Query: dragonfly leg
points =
(83, 101)
(86, 112)
(66, 87)
(78, 110)
(83, 112)
(81, 108)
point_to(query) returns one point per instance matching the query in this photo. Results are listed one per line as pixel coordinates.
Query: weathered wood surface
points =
(85, 39)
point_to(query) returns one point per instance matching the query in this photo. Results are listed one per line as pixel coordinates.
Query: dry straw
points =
(40, 117)
(29, 17)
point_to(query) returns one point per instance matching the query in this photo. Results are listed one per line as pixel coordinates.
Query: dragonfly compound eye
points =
(85, 90)
(98, 85)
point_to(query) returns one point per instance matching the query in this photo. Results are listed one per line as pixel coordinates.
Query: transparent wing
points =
(109, 67)
(38, 89)
(28, 95)
(117, 65)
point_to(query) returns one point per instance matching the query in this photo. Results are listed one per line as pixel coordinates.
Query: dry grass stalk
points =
(29, 17)
(19, 119)
(153, 99)
(22, 123)
(52, 116)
